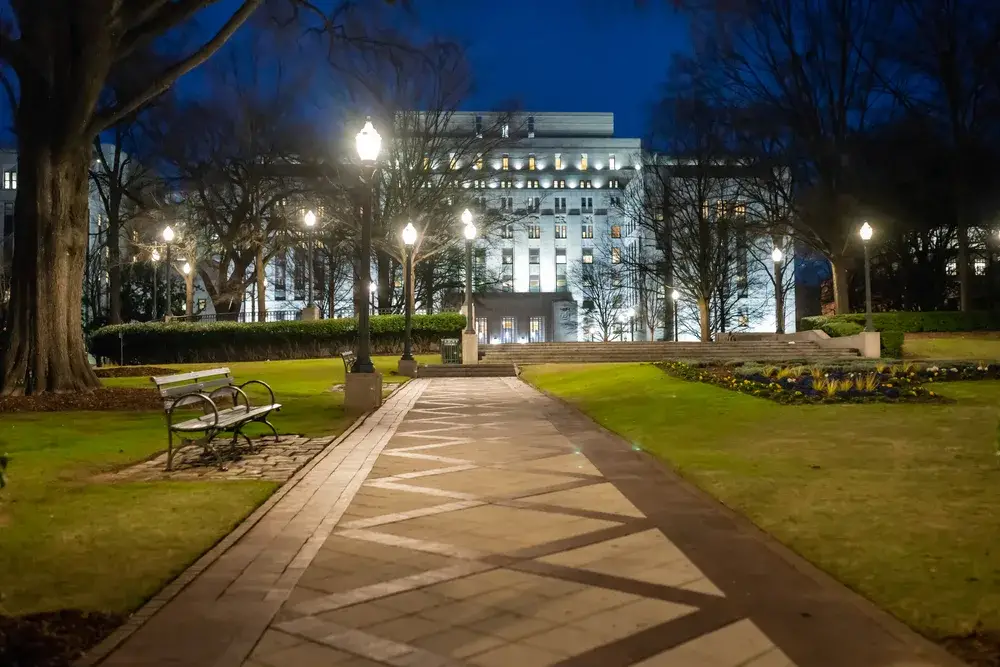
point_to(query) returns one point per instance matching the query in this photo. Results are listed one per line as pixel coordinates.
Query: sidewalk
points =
(478, 522)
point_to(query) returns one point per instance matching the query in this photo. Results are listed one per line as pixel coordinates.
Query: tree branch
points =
(159, 85)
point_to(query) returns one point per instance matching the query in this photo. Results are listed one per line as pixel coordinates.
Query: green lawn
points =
(897, 501)
(67, 541)
(973, 346)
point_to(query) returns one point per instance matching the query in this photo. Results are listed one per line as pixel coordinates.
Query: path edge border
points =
(95, 655)
(889, 623)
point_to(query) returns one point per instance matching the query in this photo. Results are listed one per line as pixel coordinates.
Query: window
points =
(588, 231)
(531, 127)
(507, 231)
(558, 184)
(534, 204)
(616, 231)
(508, 329)
(531, 162)
(507, 270)
(506, 184)
(583, 162)
(280, 271)
(427, 163)
(616, 255)
(561, 285)
(482, 330)
(505, 131)
(10, 180)
(532, 183)
(536, 329)
(560, 231)
(740, 210)
(588, 256)
(558, 161)
(613, 183)
(611, 162)
(979, 265)
(478, 183)
(534, 232)
(560, 204)
(534, 270)
(505, 162)
(479, 126)
(586, 185)
(479, 162)
(617, 202)
(510, 203)
(587, 204)
(452, 162)
(202, 304)
(951, 268)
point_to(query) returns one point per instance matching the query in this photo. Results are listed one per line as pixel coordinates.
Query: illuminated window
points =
(587, 232)
(560, 231)
(979, 265)
(427, 163)
(613, 183)
(616, 255)
(534, 204)
(507, 231)
(561, 270)
(505, 131)
(740, 210)
(558, 161)
(505, 162)
(534, 270)
(531, 162)
(559, 184)
(479, 162)
(611, 161)
(506, 184)
(583, 161)
(534, 232)
(508, 328)
(586, 184)
(536, 329)
(453, 162)
(10, 180)
(532, 183)
(588, 256)
(616, 231)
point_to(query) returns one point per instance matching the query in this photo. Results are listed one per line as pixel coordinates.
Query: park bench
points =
(211, 391)
(349, 358)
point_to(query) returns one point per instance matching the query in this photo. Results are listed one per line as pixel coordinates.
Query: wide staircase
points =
(554, 353)
(483, 369)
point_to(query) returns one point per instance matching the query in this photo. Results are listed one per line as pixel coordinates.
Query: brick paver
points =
(478, 522)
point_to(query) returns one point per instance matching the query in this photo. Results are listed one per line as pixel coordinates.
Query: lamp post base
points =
(309, 313)
(470, 348)
(363, 392)
(407, 367)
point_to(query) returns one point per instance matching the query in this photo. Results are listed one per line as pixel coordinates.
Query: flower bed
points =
(817, 384)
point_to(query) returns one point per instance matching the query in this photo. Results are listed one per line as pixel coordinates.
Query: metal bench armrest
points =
(187, 399)
(235, 390)
(260, 382)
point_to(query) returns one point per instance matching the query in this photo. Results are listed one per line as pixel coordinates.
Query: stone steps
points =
(486, 369)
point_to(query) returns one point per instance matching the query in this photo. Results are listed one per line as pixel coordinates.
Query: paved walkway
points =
(477, 522)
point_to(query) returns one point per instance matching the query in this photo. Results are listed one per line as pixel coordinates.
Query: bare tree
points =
(601, 285)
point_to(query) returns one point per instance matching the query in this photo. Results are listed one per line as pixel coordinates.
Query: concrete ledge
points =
(363, 392)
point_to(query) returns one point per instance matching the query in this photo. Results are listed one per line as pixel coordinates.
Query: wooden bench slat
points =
(195, 387)
(193, 375)
(226, 418)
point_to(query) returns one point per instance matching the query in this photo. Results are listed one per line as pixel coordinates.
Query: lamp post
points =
(779, 302)
(155, 256)
(406, 362)
(168, 238)
(675, 295)
(310, 221)
(188, 289)
(368, 142)
(866, 236)
(470, 235)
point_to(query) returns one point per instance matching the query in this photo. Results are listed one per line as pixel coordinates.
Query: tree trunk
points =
(428, 286)
(261, 285)
(965, 296)
(114, 269)
(841, 298)
(44, 348)
(189, 294)
(703, 314)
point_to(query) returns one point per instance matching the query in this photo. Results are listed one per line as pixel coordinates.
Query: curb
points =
(139, 617)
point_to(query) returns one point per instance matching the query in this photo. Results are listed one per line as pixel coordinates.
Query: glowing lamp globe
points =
(186, 268)
(155, 256)
(168, 234)
(866, 232)
(310, 219)
(466, 217)
(470, 231)
(369, 142)
(777, 255)
(409, 234)
(675, 295)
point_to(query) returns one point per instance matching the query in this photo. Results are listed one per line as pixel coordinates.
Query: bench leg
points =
(170, 449)
(271, 426)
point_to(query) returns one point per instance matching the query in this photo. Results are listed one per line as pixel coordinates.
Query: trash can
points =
(451, 351)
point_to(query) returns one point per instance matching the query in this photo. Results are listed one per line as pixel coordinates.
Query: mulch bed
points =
(52, 639)
(132, 371)
(105, 398)
(981, 649)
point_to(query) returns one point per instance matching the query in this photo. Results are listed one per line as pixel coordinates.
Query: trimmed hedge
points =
(913, 322)
(181, 342)
(894, 326)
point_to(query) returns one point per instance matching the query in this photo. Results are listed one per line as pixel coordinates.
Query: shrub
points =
(840, 329)
(913, 321)
(892, 344)
(181, 342)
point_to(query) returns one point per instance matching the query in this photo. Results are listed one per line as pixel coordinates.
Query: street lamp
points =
(310, 221)
(168, 238)
(155, 256)
(675, 295)
(372, 289)
(866, 236)
(409, 239)
(470, 235)
(779, 303)
(368, 142)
